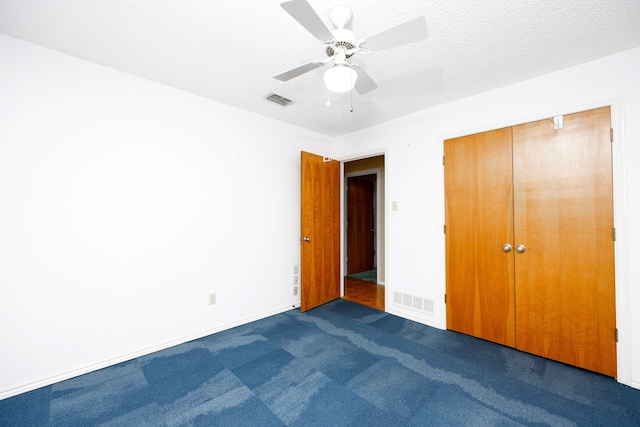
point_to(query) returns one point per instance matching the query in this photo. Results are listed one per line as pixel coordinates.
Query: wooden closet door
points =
(479, 222)
(563, 207)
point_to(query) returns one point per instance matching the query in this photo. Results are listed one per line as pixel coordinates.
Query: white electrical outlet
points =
(295, 269)
(212, 299)
(295, 280)
(295, 290)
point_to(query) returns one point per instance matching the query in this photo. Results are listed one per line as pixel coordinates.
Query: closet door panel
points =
(479, 222)
(563, 215)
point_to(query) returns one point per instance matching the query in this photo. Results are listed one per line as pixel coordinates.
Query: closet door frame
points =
(620, 217)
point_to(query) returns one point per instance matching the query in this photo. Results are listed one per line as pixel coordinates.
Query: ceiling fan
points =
(342, 44)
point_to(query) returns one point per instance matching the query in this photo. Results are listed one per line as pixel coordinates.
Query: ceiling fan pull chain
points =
(351, 94)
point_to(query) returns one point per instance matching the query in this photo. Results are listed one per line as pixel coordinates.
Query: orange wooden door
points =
(479, 222)
(360, 226)
(320, 231)
(563, 207)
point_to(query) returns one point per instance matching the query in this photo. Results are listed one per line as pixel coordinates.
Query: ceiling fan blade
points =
(410, 31)
(364, 83)
(295, 72)
(302, 12)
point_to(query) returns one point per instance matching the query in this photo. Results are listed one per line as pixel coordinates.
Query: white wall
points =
(123, 204)
(414, 171)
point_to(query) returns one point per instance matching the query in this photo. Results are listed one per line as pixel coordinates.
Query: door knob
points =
(506, 247)
(306, 238)
(520, 249)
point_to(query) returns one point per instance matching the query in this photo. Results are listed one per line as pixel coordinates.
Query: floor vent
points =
(278, 99)
(417, 303)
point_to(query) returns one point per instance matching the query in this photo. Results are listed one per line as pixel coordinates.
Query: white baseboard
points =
(4, 394)
(429, 322)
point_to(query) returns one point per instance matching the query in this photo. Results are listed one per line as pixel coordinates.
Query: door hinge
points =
(442, 160)
(445, 298)
(614, 234)
(616, 334)
(611, 134)
(444, 229)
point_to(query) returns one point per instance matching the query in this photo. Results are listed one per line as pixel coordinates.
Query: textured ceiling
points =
(230, 51)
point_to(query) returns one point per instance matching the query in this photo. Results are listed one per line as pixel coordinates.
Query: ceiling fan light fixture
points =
(340, 78)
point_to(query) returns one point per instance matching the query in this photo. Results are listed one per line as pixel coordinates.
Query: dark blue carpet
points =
(341, 364)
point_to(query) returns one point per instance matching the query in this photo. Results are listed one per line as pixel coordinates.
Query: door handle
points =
(305, 239)
(506, 247)
(520, 249)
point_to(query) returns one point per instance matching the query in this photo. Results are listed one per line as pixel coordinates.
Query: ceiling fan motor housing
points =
(344, 38)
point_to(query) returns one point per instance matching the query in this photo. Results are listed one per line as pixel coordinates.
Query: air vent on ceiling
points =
(278, 99)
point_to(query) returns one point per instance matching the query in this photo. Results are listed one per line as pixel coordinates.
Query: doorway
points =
(364, 232)
(361, 229)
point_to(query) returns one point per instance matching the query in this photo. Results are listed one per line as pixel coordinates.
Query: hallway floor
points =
(364, 292)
